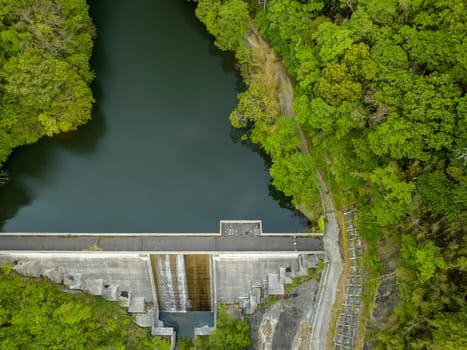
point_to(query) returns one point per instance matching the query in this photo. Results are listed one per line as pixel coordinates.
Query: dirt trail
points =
(285, 92)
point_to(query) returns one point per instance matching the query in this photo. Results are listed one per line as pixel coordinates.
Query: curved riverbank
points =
(261, 67)
(331, 275)
(159, 154)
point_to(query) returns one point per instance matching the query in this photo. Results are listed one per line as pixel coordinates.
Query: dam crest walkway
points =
(234, 237)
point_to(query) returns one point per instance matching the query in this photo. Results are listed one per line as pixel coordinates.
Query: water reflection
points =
(284, 201)
(157, 156)
(36, 165)
(17, 197)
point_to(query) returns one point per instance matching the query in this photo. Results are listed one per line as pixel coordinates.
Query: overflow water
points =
(183, 282)
(168, 294)
(158, 155)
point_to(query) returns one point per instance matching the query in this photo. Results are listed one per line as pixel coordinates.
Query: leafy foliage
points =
(260, 112)
(44, 69)
(36, 314)
(294, 176)
(380, 94)
(229, 334)
(226, 20)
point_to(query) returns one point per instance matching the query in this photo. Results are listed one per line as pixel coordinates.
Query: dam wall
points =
(125, 278)
(152, 283)
(160, 278)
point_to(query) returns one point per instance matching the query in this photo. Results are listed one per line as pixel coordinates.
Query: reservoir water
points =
(159, 154)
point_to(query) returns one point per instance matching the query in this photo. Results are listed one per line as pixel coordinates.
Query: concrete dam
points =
(171, 282)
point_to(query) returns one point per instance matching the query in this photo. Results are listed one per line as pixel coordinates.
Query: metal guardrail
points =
(349, 319)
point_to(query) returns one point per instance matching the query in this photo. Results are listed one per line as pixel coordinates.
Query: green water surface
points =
(159, 154)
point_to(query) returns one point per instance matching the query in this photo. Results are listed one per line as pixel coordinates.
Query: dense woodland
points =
(37, 314)
(45, 48)
(380, 93)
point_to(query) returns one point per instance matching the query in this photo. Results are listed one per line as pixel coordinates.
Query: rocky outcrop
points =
(284, 325)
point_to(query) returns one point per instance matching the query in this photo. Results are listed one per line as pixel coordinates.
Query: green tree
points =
(37, 314)
(294, 175)
(229, 333)
(44, 69)
(332, 42)
(316, 114)
(449, 331)
(425, 258)
(226, 20)
(394, 196)
(283, 138)
(380, 96)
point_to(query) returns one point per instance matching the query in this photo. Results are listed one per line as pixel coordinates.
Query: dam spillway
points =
(170, 278)
(199, 281)
(162, 277)
(182, 281)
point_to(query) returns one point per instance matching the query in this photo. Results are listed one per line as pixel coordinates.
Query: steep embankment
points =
(268, 103)
(332, 274)
(275, 128)
(285, 324)
(380, 94)
(44, 70)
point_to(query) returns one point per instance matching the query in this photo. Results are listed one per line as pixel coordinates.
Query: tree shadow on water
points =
(229, 64)
(86, 138)
(282, 200)
(29, 161)
(38, 161)
(227, 59)
(13, 196)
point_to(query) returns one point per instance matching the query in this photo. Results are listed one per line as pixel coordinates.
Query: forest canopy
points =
(380, 95)
(37, 314)
(45, 48)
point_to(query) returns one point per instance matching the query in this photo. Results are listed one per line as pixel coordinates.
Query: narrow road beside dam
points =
(333, 270)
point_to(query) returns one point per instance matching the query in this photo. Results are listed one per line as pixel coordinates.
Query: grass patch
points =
(312, 274)
(271, 300)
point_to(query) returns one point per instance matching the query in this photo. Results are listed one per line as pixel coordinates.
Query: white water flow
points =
(172, 285)
(167, 292)
(182, 285)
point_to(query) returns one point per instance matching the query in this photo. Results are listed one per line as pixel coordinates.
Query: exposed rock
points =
(284, 325)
